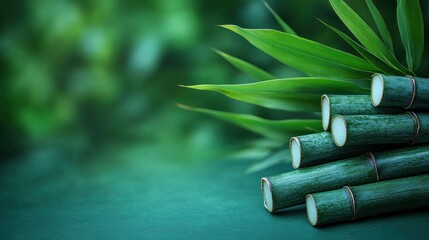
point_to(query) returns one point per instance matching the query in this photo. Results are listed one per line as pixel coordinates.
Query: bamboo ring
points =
(413, 82)
(374, 162)
(353, 202)
(417, 122)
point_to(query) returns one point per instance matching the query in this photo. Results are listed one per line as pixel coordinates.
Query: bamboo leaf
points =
(365, 53)
(290, 94)
(381, 25)
(280, 21)
(305, 55)
(246, 67)
(366, 35)
(277, 157)
(273, 129)
(410, 22)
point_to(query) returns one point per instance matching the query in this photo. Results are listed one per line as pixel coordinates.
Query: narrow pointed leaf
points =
(366, 35)
(381, 25)
(410, 22)
(273, 129)
(290, 94)
(246, 67)
(280, 21)
(305, 55)
(277, 157)
(365, 53)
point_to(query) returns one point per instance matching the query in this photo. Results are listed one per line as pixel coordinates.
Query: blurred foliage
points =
(79, 76)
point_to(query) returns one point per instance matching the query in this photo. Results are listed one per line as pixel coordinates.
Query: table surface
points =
(142, 198)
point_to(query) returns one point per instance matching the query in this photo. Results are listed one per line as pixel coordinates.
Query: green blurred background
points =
(88, 92)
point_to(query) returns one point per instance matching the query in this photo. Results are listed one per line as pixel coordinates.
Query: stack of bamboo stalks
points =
(372, 159)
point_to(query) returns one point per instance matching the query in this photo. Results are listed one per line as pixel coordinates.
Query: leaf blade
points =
(273, 129)
(246, 67)
(289, 94)
(381, 25)
(280, 21)
(366, 35)
(411, 29)
(305, 55)
(365, 53)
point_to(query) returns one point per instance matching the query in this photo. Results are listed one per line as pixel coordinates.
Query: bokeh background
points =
(88, 93)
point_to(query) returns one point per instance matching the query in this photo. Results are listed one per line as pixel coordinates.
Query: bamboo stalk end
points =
(267, 194)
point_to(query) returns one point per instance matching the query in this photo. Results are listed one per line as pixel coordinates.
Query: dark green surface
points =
(128, 195)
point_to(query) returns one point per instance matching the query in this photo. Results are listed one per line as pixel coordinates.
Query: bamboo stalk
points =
(289, 189)
(318, 148)
(405, 92)
(355, 202)
(380, 129)
(350, 105)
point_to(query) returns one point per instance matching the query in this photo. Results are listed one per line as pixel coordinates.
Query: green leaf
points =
(366, 35)
(381, 25)
(305, 55)
(283, 24)
(365, 53)
(410, 22)
(277, 157)
(246, 67)
(273, 129)
(290, 94)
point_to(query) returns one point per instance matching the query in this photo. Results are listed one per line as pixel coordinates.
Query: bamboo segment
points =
(405, 92)
(289, 189)
(380, 129)
(350, 105)
(415, 161)
(355, 202)
(318, 148)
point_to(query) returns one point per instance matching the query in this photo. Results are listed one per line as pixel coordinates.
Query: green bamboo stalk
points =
(355, 202)
(415, 161)
(289, 189)
(318, 148)
(350, 105)
(380, 129)
(396, 91)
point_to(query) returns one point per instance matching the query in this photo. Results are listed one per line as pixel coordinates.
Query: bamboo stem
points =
(350, 105)
(289, 189)
(355, 202)
(318, 148)
(380, 129)
(405, 92)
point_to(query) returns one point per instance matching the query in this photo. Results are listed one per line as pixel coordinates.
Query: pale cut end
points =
(377, 89)
(311, 209)
(326, 112)
(295, 152)
(339, 130)
(266, 192)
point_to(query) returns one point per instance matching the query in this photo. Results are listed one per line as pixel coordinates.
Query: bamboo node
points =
(417, 122)
(374, 163)
(353, 202)
(413, 97)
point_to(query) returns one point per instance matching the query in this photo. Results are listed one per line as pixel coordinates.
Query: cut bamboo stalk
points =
(355, 202)
(289, 189)
(380, 129)
(405, 92)
(318, 148)
(350, 105)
